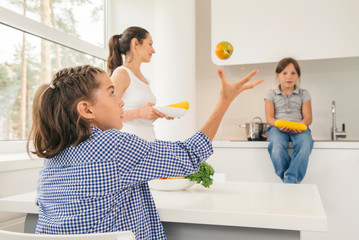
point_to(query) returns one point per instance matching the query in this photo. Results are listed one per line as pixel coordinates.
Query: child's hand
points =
(285, 129)
(295, 131)
(230, 90)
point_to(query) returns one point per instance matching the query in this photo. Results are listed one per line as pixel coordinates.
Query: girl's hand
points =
(169, 118)
(230, 91)
(149, 113)
(285, 129)
(295, 131)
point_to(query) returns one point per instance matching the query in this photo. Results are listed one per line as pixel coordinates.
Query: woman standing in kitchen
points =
(291, 103)
(135, 44)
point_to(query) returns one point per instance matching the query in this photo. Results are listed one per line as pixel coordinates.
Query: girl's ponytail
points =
(114, 59)
(119, 45)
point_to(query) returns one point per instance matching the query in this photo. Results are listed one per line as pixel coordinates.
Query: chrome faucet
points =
(334, 132)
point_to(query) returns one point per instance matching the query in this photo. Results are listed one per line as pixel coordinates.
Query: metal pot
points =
(256, 131)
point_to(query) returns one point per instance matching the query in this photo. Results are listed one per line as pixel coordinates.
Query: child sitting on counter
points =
(288, 102)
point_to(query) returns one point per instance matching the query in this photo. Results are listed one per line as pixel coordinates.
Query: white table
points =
(227, 210)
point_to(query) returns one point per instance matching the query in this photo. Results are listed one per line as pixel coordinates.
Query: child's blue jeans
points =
(290, 170)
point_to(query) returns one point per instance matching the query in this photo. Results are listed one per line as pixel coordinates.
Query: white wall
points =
(326, 80)
(175, 65)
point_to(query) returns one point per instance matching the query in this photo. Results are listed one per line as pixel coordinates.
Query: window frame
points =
(29, 26)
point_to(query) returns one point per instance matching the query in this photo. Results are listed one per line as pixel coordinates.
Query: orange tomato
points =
(224, 50)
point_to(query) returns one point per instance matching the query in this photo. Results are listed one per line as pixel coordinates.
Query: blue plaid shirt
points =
(101, 184)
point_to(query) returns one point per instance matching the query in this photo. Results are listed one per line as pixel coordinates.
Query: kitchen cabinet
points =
(265, 31)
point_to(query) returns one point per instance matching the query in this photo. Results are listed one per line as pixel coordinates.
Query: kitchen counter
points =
(260, 205)
(333, 167)
(229, 208)
(318, 144)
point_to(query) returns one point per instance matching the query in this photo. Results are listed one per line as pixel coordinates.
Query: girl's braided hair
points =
(56, 124)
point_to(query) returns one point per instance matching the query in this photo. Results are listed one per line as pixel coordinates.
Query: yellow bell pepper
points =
(183, 104)
(175, 178)
(291, 125)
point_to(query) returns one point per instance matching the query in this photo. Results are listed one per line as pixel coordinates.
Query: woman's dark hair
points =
(56, 124)
(120, 44)
(285, 62)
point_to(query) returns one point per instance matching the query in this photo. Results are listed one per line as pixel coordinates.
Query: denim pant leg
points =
(302, 147)
(278, 150)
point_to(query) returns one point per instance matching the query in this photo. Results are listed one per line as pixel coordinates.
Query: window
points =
(83, 19)
(31, 52)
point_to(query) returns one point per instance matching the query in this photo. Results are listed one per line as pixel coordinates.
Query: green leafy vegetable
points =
(203, 176)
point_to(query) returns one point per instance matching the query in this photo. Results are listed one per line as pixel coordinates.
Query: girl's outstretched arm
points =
(229, 91)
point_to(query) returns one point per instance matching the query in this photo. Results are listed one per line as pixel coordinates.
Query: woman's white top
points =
(136, 96)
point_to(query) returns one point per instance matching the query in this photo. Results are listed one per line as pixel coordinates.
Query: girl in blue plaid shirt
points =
(94, 177)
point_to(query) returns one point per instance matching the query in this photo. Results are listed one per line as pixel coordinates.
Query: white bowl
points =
(172, 111)
(170, 184)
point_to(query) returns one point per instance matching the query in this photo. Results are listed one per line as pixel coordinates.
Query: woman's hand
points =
(149, 113)
(229, 91)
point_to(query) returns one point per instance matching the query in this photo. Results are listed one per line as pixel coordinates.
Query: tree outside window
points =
(27, 61)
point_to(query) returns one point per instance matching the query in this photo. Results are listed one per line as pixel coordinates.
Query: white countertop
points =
(318, 144)
(259, 205)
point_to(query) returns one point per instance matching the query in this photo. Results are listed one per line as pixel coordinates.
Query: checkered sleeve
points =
(140, 160)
